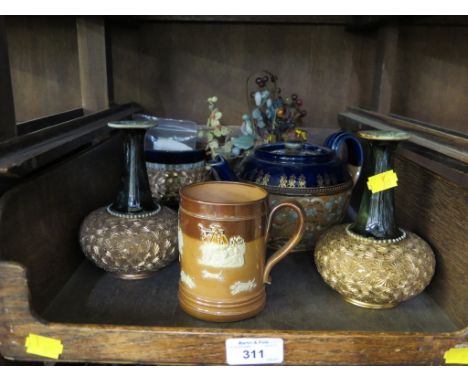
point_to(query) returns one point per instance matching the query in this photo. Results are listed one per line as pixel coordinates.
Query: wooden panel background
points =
(93, 63)
(40, 218)
(7, 112)
(432, 75)
(437, 210)
(172, 68)
(45, 75)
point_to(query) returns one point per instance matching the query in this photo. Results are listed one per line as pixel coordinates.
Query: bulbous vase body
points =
(130, 248)
(374, 274)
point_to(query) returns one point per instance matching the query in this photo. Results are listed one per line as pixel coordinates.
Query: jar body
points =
(169, 171)
(167, 179)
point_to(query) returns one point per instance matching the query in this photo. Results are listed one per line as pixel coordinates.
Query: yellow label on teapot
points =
(382, 181)
(43, 346)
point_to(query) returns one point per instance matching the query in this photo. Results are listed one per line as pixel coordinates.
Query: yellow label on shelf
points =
(457, 356)
(382, 181)
(43, 346)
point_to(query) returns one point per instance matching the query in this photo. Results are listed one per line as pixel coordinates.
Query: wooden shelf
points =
(47, 288)
(149, 328)
(100, 318)
(297, 299)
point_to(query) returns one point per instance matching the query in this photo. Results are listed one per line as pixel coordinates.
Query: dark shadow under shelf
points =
(297, 299)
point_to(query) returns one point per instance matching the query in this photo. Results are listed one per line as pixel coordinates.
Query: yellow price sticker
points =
(43, 346)
(457, 356)
(382, 181)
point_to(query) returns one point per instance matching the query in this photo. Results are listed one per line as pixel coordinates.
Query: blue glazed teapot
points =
(315, 176)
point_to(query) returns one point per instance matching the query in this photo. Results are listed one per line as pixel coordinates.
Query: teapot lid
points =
(296, 168)
(294, 151)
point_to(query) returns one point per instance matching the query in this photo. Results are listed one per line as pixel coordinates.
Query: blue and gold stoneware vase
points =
(372, 262)
(315, 176)
(134, 236)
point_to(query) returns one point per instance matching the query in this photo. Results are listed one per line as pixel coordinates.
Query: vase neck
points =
(134, 194)
(376, 216)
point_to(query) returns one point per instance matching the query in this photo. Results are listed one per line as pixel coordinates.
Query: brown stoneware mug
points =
(223, 230)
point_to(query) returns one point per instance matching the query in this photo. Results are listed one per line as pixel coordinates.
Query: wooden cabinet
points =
(52, 179)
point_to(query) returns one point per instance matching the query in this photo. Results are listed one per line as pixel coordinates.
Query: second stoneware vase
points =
(134, 236)
(373, 263)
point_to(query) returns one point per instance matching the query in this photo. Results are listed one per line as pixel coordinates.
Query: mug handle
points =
(355, 151)
(281, 253)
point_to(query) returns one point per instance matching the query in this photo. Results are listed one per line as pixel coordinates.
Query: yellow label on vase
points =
(382, 181)
(43, 346)
(456, 356)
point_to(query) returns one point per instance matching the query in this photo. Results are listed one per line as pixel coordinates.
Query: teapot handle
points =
(355, 151)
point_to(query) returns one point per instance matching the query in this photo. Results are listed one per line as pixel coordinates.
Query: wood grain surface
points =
(40, 218)
(432, 75)
(189, 345)
(438, 140)
(7, 108)
(25, 154)
(297, 299)
(413, 70)
(385, 67)
(43, 54)
(437, 210)
(92, 63)
(172, 68)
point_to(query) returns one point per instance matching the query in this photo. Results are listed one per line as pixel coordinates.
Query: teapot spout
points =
(222, 170)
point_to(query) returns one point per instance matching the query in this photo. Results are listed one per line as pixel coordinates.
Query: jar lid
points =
(175, 157)
(130, 124)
